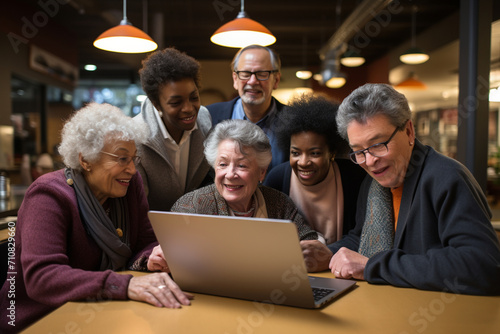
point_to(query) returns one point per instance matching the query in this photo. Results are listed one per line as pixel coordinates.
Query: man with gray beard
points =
(256, 73)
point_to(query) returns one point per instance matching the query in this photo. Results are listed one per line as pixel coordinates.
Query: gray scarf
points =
(378, 230)
(103, 229)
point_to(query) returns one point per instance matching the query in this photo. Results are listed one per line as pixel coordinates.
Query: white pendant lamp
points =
(414, 55)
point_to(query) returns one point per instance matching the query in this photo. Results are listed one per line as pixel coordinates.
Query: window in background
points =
(122, 94)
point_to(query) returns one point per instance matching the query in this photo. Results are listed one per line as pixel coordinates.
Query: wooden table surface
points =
(365, 309)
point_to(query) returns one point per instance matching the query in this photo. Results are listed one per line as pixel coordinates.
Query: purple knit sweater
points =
(56, 261)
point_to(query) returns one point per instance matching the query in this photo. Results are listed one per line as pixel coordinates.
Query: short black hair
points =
(167, 65)
(310, 113)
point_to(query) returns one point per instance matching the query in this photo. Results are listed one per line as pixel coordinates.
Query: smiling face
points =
(310, 157)
(389, 170)
(180, 103)
(106, 177)
(253, 91)
(236, 175)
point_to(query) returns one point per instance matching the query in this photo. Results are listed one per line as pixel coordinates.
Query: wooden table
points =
(365, 309)
(5, 223)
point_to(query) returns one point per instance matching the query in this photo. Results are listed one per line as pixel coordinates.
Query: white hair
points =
(245, 133)
(91, 127)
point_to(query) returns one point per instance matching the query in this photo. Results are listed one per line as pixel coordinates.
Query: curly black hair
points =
(310, 113)
(167, 65)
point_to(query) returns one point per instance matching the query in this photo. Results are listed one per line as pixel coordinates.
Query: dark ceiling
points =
(301, 27)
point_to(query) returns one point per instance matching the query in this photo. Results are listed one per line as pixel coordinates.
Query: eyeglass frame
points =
(136, 159)
(352, 155)
(255, 73)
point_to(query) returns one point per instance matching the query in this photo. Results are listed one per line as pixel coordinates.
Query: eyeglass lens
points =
(260, 75)
(125, 160)
(377, 150)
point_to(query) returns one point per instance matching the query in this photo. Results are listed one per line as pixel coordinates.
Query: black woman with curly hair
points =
(323, 186)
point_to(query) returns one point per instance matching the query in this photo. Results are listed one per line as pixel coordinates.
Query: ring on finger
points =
(161, 287)
(337, 273)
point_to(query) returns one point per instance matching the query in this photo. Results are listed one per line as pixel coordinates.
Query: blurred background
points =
(49, 66)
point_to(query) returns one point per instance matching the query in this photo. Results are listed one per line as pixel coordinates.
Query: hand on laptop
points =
(348, 264)
(156, 261)
(157, 289)
(316, 255)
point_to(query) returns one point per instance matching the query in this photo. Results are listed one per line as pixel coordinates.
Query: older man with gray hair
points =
(256, 73)
(422, 220)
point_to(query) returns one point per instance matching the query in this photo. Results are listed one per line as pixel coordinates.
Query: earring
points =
(160, 113)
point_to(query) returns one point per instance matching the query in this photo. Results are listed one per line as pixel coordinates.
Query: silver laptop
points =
(247, 258)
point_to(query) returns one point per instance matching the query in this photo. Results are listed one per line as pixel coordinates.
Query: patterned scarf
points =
(378, 230)
(115, 252)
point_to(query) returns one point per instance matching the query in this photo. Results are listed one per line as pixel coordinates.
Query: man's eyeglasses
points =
(260, 75)
(376, 150)
(124, 160)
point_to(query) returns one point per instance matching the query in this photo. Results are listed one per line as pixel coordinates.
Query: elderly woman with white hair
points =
(77, 226)
(240, 153)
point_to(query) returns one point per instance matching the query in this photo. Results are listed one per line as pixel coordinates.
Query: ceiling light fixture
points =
(411, 82)
(125, 38)
(336, 81)
(242, 31)
(90, 67)
(414, 55)
(330, 73)
(304, 73)
(351, 58)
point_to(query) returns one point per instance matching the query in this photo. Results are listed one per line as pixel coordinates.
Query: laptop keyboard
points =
(320, 293)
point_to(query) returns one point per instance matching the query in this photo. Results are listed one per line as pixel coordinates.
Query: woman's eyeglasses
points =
(124, 160)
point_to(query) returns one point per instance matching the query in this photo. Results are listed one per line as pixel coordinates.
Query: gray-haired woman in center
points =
(239, 151)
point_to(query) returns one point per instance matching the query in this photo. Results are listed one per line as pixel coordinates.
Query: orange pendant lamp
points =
(242, 32)
(125, 38)
(412, 82)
